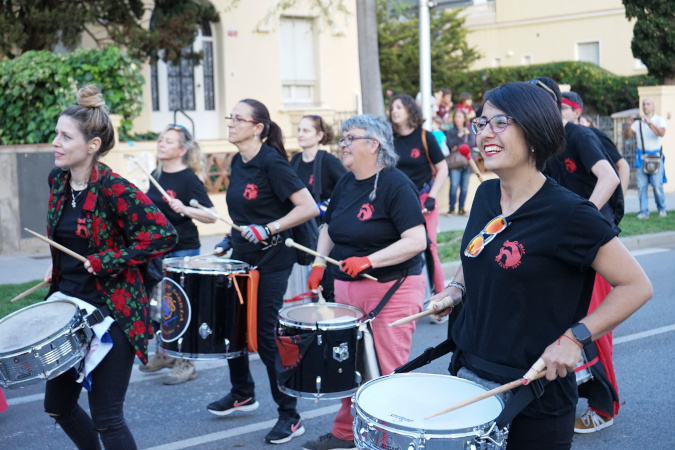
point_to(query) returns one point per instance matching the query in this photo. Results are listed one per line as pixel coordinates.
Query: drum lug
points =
(205, 331)
(357, 377)
(227, 345)
(180, 345)
(182, 279)
(319, 341)
(318, 384)
(341, 353)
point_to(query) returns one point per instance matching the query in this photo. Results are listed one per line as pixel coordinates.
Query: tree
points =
(39, 25)
(654, 36)
(399, 48)
(371, 80)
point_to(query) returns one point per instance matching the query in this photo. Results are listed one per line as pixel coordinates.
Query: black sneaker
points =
(329, 442)
(286, 429)
(228, 405)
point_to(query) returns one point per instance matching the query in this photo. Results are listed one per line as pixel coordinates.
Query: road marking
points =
(213, 437)
(643, 334)
(649, 251)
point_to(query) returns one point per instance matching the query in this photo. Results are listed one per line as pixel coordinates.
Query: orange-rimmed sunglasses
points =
(492, 229)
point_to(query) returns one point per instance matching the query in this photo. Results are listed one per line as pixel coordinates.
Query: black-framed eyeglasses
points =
(498, 123)
(349, 140)
(541, 84)
(238, 120)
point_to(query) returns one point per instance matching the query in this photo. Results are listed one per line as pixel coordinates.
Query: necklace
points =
(77, 183)
(75, 197)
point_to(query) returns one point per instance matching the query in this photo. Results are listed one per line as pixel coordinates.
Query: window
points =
(527, 60)
(497, 62)
(154, 87)
(589, 51)
(207, 64)
(298, 75)
(181, 84)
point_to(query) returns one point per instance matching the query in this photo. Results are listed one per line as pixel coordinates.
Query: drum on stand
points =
(41, 341)
(203, 310)
(319, 349)
(389, 413)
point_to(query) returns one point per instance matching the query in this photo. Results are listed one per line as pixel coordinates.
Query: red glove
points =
(355, 265)
(315, 276)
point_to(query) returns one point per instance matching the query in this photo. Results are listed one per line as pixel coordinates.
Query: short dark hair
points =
(445, 91)
(533, 111)
(552, 85)
(464, 96)
(576, 98)
(415, 118)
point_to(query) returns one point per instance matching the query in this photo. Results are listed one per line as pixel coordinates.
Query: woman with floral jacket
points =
(103, 217)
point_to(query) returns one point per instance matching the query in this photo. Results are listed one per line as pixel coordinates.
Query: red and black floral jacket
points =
(125, 229)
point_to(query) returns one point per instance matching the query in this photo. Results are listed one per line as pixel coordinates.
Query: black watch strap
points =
(582, 333)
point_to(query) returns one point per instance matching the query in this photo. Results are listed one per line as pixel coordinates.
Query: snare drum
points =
(203, 311)
(40, 342)
(320, 358)
(389, 414)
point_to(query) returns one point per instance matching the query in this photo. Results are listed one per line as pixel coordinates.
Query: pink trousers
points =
(432, 229)
(392, 344)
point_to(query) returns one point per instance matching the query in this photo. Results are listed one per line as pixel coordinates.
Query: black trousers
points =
(110, 380)
(271, 288)
(551, 433)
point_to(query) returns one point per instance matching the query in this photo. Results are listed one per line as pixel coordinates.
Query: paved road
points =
(175, 417)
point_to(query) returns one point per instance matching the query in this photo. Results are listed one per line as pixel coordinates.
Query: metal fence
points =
(613, 127)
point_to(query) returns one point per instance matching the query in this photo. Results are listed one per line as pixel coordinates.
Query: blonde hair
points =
(91, 116)
(193, 157)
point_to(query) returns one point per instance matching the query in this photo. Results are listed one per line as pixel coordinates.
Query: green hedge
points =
(603, 92)
(37, 85)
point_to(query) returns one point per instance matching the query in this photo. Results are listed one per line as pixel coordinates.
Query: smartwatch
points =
(277, 226)
(582, 333)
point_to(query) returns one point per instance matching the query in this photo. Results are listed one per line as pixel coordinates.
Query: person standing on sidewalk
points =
(180, 172)
(266, 194)
(649, 131)
(459, 177)
(422, 160)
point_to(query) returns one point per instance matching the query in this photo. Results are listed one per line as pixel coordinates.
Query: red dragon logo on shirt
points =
(251, 192)
(366, 212)
(510, 255)
(81, 230)
(171, 193)
(311, 180)
(570, 165)
(415, 153)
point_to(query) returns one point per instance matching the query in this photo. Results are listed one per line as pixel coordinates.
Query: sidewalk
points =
(21, 268)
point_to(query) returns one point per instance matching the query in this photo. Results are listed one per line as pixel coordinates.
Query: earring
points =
(533, 150)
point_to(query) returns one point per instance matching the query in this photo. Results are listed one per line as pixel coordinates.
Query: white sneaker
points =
(590, 422)
(643, 216)
(663, 213)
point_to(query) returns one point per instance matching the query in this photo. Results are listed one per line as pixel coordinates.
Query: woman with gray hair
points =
(372, 228)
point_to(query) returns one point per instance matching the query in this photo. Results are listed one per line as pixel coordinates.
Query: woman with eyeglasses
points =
(266, 198)
(115, 226)
(422, 160)
(459, 177)
(530, 252)
(180, 172)
(370, 227)
(319, 170)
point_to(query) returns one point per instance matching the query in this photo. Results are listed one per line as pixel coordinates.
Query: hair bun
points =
(90, 97)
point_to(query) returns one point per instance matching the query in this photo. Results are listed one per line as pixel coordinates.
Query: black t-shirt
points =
(359, 227)
(258, 194)
(610, 149)
(616, 201)
(413, 159)
(572, 169)
(331, 171)
(71, 232)
(530, 283)
(185, 186)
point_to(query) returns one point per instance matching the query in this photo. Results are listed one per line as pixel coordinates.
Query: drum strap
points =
(236, 288)
(522, 397)
(392, 290)
(97, 316)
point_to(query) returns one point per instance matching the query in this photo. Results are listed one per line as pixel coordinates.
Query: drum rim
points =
(166, 266)
(78, 316)
(288, 322)
(361, 414)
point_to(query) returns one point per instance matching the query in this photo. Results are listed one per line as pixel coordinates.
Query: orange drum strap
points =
(251, 306)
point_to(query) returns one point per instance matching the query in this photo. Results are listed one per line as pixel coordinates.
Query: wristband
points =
(458, 285)
(319, 265)
(571, 339)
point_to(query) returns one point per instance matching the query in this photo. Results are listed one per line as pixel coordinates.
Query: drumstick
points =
(153, 181)
(498, 390)
(291, 243)
(57, 246)
(426, 313)
(195, 204)
(30, 291)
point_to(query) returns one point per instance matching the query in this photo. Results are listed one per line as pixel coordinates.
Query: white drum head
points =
(209, 265)
(34, 323)
(404, 400)
(327, 313)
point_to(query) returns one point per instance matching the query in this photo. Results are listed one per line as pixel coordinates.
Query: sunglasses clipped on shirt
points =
(492, 229)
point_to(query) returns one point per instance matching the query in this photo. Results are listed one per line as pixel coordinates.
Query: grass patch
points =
(9, 291)
(449, 241)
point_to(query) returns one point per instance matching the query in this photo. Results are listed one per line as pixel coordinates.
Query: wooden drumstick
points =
(426, 313)
(492, 392)
(291, 243)
(153, 181)
(195, 204)
(57, 246)
(30, 291)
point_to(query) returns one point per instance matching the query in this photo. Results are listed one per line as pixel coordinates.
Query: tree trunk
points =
(369, 61)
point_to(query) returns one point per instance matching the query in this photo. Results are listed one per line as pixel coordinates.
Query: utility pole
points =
(425, 61)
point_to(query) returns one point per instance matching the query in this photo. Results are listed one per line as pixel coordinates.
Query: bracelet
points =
(573, 340)
(319, 265)
(458, 285)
